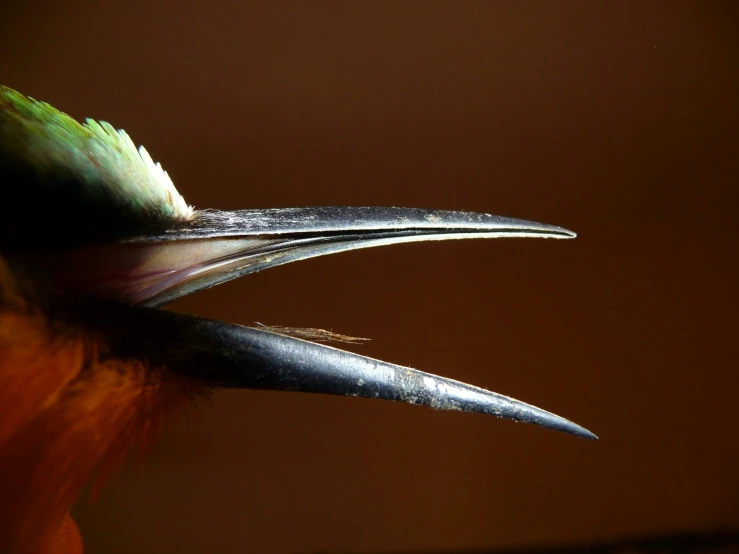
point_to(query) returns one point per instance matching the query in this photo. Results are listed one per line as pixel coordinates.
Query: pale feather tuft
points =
(143, 175)
(93, 161)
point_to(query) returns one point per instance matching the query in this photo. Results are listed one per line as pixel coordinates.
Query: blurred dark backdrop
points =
(616, 119)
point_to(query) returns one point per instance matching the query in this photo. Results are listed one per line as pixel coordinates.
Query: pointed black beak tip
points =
(581, 432)
(548, 420)
(526, 413)
(560, 232)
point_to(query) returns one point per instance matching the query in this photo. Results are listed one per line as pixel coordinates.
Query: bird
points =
(94, 240)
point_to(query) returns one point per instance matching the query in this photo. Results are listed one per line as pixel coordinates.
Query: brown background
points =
(616, 119)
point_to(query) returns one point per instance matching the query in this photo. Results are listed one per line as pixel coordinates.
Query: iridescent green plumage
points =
(88, 178)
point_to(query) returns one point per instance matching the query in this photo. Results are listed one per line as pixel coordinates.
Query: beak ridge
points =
(358, 219)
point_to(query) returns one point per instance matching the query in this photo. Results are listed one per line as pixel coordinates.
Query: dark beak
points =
(225, 355)
(248, 241)
(232, 244)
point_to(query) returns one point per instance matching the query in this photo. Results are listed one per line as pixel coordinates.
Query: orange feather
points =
(68, 408)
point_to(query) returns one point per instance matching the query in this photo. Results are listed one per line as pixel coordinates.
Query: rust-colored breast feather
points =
(68, 408)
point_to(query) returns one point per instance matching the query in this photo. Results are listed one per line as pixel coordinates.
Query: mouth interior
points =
(137, 272)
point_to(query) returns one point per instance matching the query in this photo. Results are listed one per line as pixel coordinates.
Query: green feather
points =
(88, 181)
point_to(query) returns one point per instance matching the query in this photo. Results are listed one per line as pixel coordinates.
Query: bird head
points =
(95, 239)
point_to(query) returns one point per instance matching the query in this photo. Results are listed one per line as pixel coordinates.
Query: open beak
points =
(219, 246)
